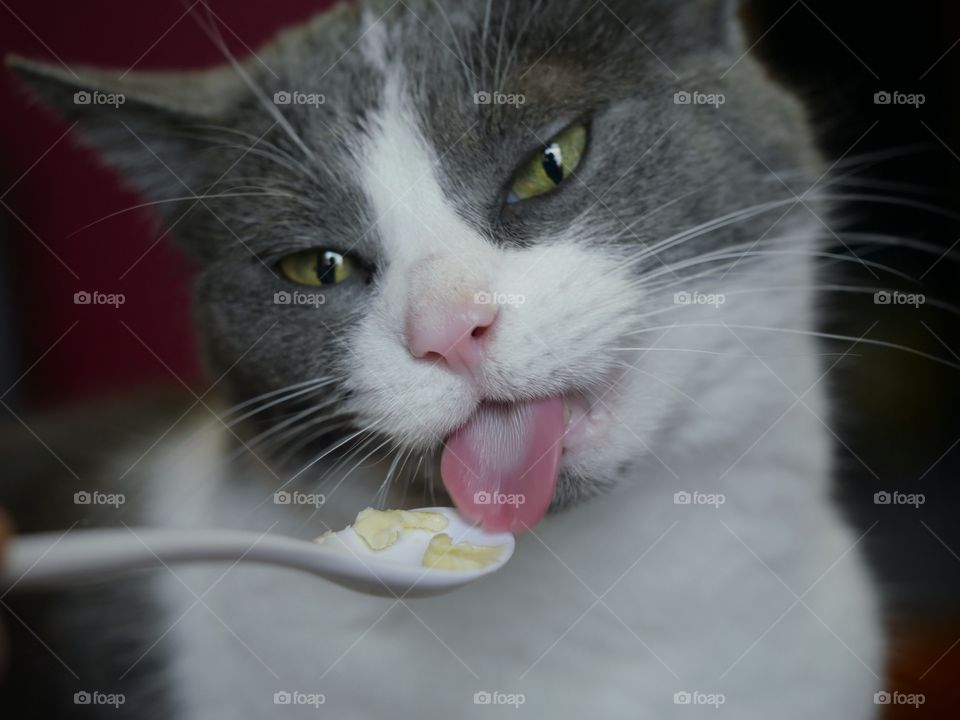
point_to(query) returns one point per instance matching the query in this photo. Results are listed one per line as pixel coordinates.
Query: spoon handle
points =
(46, 560)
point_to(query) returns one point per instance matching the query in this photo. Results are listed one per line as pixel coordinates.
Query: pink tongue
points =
(501, 467)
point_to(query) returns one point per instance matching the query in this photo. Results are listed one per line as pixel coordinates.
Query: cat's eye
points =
(550, 167)
(319, 268)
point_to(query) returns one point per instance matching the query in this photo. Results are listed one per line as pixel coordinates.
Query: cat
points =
(555, 252)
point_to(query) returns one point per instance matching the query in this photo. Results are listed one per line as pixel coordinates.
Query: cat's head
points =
(516, 234)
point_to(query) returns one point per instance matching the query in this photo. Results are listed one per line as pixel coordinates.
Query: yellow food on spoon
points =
(380, 529)
(443, 554)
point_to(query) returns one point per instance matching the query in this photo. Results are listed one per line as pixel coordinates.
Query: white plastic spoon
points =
(49, 560)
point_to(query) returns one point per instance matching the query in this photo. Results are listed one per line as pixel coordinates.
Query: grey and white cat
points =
(549, 233)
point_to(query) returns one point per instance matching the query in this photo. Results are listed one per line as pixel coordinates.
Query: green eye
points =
(318, 268)
(552, 166)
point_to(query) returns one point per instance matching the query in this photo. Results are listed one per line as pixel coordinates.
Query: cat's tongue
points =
(501, 467)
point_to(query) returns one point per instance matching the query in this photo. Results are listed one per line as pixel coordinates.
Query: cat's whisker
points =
(168, 201)
(412, 478)
(273, 393)
(666, 384)
(463, 58)
(303, 169)
(278, 441)
(301, 439)
(762, 208)
(521, 35)
(742, 249)
(358, 464)
(380, 496)
(839, 288)
(355, 447)
(888, 186)
(709, 258)
(333, 448)
(692, 351)
(670, 307)
(213, 33)
(498, 78)
(709, 226)
(719, 354)
(264, 149)
(282, 399)
(801, 332)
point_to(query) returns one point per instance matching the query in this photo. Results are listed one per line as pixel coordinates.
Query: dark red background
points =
(68, 189)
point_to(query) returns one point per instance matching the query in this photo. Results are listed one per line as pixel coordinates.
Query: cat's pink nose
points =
(453, 335)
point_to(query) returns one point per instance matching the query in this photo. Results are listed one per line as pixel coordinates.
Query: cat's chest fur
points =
(611, 609)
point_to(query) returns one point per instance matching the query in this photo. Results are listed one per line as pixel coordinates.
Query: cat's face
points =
(470, 224)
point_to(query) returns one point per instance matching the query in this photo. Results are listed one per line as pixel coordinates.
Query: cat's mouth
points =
(501, 466)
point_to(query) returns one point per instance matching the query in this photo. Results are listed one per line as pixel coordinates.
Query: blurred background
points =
(68, 225)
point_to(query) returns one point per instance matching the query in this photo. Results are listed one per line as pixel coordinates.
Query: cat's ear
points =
(144, 123)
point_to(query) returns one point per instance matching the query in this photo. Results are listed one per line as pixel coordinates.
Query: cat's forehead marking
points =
(415, 218)
(373, 40)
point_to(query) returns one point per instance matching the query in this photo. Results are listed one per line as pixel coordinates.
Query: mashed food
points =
(380, 529)
(443, 554)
